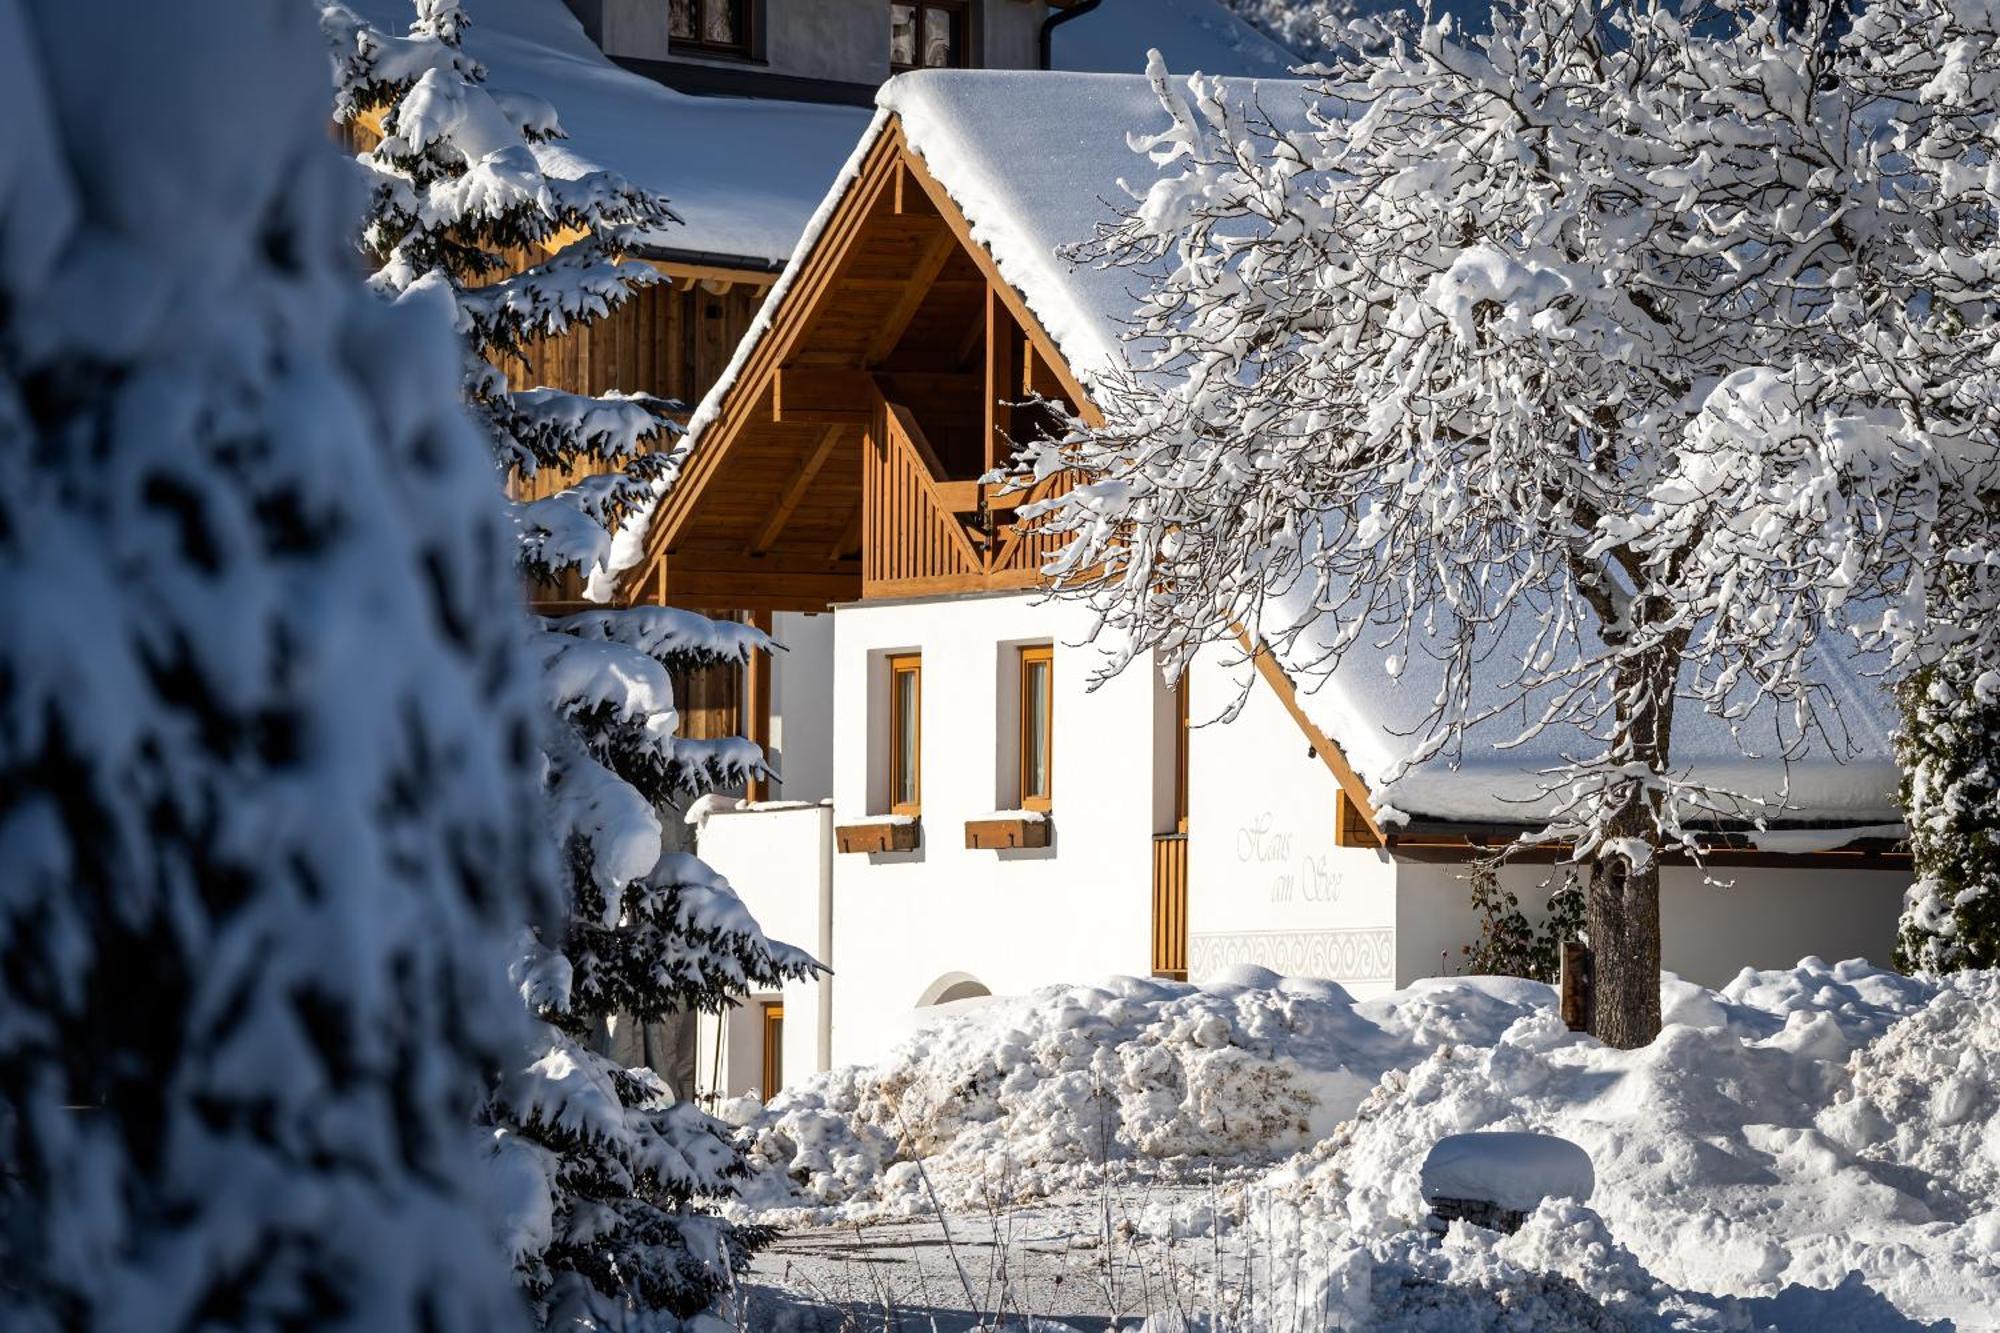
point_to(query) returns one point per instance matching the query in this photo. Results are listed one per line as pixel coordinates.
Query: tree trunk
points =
(1621, 915)
(1622, 919)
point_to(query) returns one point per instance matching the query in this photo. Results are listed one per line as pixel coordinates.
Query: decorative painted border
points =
(1365, 953)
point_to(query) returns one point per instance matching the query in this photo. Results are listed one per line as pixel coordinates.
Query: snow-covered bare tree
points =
(1547, 363)
(1315, 29)
(1929, 72)
(268, 783)
(605, 1171)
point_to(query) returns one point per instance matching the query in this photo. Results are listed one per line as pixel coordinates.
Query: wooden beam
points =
(1030, 326)
(757, 701)
(911, 201)
(808, 289)
(749, 277)
(1357, 819)
(974, 337)
(796, 489)
(921, 279)
(810, 395)
(850, 536)
(1003, 365)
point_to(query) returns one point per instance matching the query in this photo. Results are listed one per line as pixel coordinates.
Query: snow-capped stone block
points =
(1497, 1178)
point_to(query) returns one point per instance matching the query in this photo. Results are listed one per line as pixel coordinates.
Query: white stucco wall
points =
(1011, 920)
(1266, 885)
(802, 706)
(1766, 916)
(778, 862)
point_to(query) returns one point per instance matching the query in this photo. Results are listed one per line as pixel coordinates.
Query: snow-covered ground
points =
(1813, 1148)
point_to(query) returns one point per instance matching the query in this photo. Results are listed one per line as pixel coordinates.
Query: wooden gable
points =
(843, 461)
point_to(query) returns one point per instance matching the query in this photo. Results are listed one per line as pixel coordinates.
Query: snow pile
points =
(1510, 1169)
(1926, 1099)
(1019, 1098)
(1722, 1150)
(1795, 1129)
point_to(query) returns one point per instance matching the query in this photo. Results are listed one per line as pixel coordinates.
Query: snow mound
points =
(1511, 1169)
(1925, 1102)
(1021, 1097)
(1808, 1129)
(1817, 1144)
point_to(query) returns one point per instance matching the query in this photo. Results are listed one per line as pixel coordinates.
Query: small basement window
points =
(718, 26)
(906, 699)
(1038, 669)
(926, 34)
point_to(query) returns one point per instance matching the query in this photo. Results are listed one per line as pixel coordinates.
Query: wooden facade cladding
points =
(843, 459)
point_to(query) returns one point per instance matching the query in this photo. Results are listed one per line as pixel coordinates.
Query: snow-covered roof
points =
(1374, 703)
(1034, 169)
(1034, 161)
(1190, 34)
(744, 174)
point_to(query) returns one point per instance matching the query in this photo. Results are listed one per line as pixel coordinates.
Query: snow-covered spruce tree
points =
(606, 1171)
(1533, 361)
(1935, 66)
(268, 780)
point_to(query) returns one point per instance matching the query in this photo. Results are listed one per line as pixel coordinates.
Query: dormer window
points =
(926, 34)
(718, 26)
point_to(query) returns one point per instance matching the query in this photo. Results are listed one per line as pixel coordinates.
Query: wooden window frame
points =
(1045, 654)
(901, 664)
(774, 1052)
(745, 47)
(960, 9)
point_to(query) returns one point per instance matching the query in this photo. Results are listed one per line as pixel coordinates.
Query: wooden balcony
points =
(924, 534)
(1170, 906)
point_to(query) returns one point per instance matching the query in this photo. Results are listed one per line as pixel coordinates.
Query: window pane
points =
(680, 18)
(722, 27)
(906, 738)
(940, 38)
(902, 35)
(1038, 729)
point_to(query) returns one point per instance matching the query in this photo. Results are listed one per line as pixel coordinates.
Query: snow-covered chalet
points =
(961, 813)
(955, 813)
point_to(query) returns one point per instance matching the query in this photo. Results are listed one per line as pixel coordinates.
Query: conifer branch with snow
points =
(604, 1169)
(268, 796)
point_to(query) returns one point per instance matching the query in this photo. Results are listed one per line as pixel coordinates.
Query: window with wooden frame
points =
(927, 34)
(715, 27)
(906, 733)
(1038, 671)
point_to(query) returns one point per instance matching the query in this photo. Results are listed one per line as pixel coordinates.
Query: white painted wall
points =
(1767, 916)
(1266, 885)
(1010, 920)
(778, 861)
(802, 706)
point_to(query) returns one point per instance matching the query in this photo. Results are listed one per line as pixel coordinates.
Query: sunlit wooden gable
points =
(841, 459)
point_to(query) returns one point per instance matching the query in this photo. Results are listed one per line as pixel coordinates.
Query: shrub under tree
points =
(268, 782)
(609, 1176)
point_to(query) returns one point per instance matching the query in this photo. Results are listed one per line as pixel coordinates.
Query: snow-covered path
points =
(1045, 1261)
